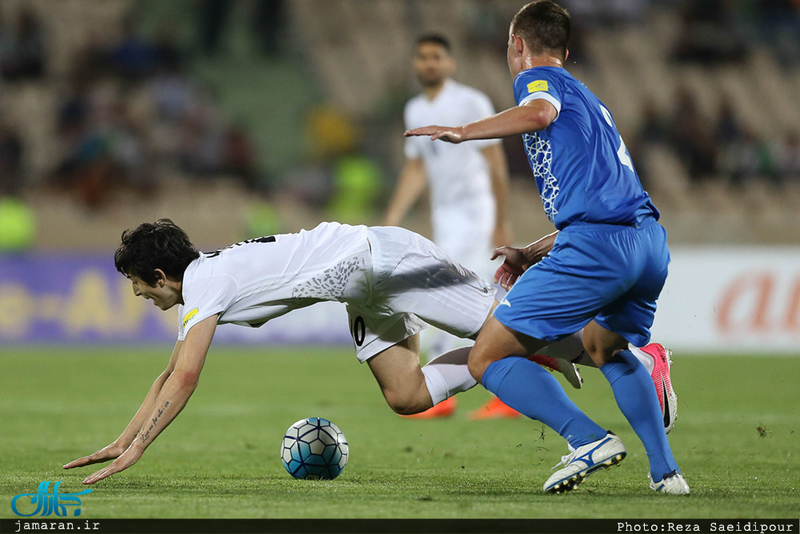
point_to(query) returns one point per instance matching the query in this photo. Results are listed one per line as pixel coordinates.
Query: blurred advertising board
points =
(77, 299)
(722, 300)
(731, 300)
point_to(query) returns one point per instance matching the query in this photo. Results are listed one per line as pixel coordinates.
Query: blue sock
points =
(636, 397)
(534, 392)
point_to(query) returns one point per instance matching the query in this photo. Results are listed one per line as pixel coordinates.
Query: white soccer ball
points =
(314, 448)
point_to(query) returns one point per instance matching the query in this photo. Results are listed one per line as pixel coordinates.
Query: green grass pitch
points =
(737, 440)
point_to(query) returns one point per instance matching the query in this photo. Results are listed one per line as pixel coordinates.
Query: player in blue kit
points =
(601, 271)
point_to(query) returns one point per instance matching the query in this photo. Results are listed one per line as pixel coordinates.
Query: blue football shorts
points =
(606, 273)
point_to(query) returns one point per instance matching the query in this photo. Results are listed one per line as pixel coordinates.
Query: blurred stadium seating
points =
(352, 57)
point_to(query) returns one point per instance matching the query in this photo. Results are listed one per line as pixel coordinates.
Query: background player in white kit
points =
(390, 279)
(467, 183)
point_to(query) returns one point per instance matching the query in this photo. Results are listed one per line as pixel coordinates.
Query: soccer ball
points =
(314, 448)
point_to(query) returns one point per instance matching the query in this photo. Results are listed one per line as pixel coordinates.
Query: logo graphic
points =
(188, 316)
(505, 302)
(666, 403)
(538, 85)
(540, 155)
(47, 503)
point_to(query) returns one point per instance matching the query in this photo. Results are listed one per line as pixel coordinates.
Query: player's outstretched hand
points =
(125, 460)
(109, 452)
(512, 268)
(444, 133)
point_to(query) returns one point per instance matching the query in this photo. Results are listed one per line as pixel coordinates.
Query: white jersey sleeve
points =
(205, 297)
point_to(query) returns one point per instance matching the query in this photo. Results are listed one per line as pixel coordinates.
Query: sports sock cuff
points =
(453, 369)
(436, 384)
(621, 364)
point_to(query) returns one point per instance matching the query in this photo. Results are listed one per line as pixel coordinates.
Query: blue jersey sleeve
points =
(539, 83)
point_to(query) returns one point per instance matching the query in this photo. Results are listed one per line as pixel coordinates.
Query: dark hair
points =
(150, 246)
(434, 38)
(544, 26)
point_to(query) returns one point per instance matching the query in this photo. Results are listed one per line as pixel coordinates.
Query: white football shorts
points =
(464, 232)
(414, 282)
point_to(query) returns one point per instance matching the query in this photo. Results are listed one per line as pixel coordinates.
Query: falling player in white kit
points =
(391, 280)
(467, 183)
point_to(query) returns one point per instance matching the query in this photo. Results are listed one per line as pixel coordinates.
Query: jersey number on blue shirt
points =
(622, 151)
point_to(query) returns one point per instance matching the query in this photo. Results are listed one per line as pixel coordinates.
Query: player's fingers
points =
(99, 475)
(86, 460)
(102, 455)
(506, 285)
(509, 280)
(425, 130)
(106, 472)
(498, 274)
(499, 251)
(504, 280)
(77, 463)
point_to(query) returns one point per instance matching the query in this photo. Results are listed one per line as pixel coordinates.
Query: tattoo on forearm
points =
(146, 434)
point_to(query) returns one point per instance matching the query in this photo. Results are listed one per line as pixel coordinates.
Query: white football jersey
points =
(251, 282)
(456, 173)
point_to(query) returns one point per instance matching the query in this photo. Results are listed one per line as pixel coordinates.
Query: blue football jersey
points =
(582, 168)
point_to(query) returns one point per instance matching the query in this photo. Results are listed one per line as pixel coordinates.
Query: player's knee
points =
(598, 351)
(404, 404)
(599, 354)
(599, 358)
(477, 365)
(406, 408)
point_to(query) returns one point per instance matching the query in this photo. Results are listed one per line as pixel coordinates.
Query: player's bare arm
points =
(410, 186)
(498, 169)
(124, 440)
(539, 248)
(518, 260)
(173, 396)
(532, 116)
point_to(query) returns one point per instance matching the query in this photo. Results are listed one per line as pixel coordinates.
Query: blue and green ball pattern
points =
(314, 448)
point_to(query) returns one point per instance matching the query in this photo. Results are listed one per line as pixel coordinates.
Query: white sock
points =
(648, 361)
(570, 348)
(448, 374)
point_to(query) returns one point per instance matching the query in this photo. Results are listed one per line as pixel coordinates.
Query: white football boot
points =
(584, 461)
(672, 484)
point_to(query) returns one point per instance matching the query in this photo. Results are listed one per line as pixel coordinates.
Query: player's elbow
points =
(536, 118)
